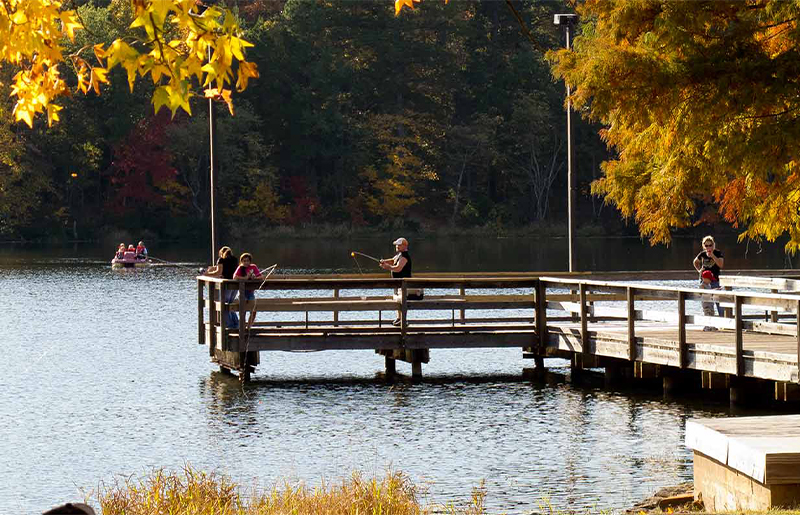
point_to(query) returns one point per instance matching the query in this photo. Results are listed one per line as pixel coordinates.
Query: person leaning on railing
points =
(225, 268)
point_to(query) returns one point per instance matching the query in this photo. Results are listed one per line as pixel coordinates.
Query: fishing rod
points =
(171, 263)
(354, 253)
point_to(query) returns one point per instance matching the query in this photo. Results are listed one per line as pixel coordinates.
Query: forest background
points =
(444, 119)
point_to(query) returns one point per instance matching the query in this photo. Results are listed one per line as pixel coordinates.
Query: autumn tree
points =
(182, 45)
(699, 100)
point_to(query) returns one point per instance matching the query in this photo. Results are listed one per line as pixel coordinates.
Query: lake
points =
(102, 378)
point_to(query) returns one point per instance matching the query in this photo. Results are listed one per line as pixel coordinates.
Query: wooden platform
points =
(581, 319)
(746, 463)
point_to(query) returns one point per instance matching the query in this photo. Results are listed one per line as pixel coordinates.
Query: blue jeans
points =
(233, 318)
(708, 307)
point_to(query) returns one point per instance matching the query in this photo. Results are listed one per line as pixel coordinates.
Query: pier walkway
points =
(628, 328)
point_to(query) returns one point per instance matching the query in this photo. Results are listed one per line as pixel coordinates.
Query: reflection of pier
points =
(630, 329)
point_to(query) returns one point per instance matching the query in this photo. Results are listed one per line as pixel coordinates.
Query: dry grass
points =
(191, 492)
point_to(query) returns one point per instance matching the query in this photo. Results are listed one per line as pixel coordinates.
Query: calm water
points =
(101, 377)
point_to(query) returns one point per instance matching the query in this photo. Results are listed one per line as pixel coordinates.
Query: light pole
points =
(568, 21)
(213, 207)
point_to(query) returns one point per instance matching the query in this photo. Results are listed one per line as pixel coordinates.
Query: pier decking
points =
(632, 328)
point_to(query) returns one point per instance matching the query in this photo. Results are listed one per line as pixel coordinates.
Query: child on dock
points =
(248, 271)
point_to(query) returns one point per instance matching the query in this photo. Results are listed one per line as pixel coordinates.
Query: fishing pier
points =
(630, 329)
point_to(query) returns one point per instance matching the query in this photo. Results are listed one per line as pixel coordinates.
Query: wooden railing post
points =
(242, 312)
(403, 309)
(541, 315)
(739, 342)
(682, 352)
(773, 315)
(462, 291)
(335, 311)
(223, 316)
(584, 321)
(212, 314)
(727, 311)
(797, 320)
(201, 326)
(631, 324)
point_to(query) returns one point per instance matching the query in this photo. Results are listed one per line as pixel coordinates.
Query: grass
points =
(198, 493)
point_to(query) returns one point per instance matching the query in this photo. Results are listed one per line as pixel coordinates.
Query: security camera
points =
(565, 19)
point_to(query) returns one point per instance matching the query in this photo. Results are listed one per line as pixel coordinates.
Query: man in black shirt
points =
(399, 265)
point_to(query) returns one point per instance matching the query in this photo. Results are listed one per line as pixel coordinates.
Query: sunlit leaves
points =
(699, 100)
(180, 45)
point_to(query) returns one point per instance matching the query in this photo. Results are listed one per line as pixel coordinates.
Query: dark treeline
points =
(446, 116)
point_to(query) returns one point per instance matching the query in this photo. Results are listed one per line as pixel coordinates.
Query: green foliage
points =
(699, 101)
(359, 118)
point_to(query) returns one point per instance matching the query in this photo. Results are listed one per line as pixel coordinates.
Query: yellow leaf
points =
(246, 71)
(99, 52)
(52, 114)
(160, 98)
(98, 76)
(19, 18)
(399, 4)
(69, 23)
(22, 112)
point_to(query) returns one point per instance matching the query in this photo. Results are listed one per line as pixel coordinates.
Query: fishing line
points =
(358, 265)
(172, 263)
(252, 315)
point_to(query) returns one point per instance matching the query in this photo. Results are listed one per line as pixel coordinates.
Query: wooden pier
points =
(630, 329)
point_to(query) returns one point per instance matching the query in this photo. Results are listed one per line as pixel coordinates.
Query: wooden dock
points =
(746, 463)
(630, 329)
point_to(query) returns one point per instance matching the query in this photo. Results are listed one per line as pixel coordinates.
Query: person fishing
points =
(400, 267)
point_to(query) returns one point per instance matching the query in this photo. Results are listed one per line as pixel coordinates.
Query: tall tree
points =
(699, 99)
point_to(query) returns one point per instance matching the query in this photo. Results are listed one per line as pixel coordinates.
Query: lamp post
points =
(213, 207)
(568, 21)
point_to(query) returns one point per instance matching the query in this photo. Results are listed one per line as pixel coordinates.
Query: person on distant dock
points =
(400, 266)
(709, 260)
(225, 268)
(248, 271)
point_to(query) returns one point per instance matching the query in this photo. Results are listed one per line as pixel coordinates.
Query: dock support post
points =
(391, 366)
(416, 369)
(613, 373)
(201, 327)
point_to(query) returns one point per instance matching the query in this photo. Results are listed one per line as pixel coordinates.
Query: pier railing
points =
(662, 309)
(544, 315)
(358, 306)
